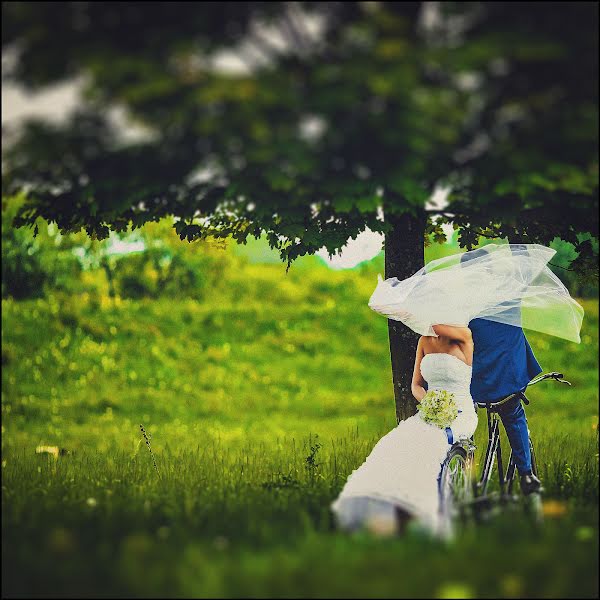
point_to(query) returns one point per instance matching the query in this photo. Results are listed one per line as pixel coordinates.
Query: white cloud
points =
(366, 246)
(55, 103)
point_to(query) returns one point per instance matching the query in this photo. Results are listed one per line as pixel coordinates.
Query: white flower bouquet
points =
(438, 408)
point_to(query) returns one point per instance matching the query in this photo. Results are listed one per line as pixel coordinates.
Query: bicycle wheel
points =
(456, 490)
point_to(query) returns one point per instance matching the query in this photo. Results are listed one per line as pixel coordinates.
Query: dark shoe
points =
(530, 484)
(403, 518)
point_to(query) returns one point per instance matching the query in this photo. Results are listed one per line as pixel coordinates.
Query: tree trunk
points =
(109, 276)
(404, 255)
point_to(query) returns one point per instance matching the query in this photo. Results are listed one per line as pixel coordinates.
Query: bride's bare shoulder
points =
(426, 342)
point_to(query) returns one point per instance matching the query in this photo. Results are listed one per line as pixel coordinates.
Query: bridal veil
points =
(507, 283)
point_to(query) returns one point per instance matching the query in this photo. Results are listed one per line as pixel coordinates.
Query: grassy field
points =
(260, 401)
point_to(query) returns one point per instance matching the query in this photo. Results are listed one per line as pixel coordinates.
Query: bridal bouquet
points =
(438, 408)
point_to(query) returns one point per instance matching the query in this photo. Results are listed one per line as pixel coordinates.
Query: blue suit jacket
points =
(503, 361)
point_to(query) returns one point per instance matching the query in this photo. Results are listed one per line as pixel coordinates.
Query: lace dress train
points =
(403, 468)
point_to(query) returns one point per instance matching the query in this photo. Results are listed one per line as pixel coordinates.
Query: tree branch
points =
(489, 237)
(440, 212)
(267, 49)
(294, 35)
(563, 268)
(297, 31)
(492, 237)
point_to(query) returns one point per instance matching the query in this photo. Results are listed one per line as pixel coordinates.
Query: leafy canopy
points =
(358, 107)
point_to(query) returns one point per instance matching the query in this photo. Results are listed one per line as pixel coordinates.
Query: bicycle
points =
(459, 495)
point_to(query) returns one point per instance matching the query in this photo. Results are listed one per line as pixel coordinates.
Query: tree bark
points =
(109, 276)
(404, 255)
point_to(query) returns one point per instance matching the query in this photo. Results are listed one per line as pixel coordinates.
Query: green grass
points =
(260, 402)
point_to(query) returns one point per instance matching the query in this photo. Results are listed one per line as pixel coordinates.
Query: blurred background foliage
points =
(286, 127)
(309, 122)
(261, 391)
(152, 262)
(333, 110)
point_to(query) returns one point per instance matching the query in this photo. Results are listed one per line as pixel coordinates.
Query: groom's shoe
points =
(530, 484)
(403, 518)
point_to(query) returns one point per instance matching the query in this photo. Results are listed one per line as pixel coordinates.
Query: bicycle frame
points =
(494, 450)
(494, 453)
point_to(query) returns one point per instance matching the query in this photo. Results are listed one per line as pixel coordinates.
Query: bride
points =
(504, 283)
(399, 479)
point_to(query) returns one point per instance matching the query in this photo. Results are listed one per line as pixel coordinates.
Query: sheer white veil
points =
(506, 283)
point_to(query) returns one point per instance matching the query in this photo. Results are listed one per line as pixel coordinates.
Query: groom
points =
(503, 364)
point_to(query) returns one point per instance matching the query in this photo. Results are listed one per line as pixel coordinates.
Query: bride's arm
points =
(417, 387)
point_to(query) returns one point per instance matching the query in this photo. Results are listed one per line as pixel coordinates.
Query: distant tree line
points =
(33, 266)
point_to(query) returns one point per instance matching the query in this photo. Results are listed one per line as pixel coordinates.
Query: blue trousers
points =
(514, 420)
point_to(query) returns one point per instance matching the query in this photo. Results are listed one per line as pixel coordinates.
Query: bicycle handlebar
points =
(554, 375)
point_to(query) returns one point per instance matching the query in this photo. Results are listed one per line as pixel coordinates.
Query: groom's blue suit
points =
(503, 363)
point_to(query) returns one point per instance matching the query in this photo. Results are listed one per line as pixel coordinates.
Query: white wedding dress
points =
(404, 466)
